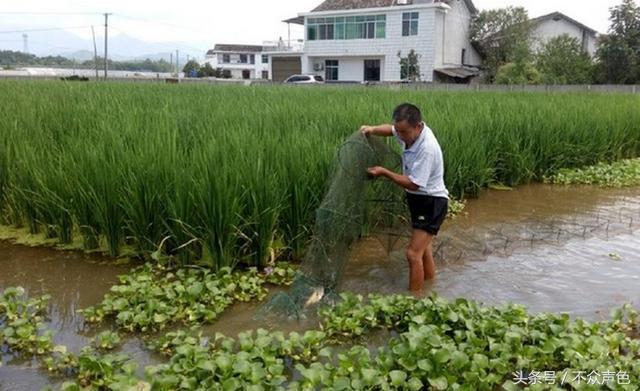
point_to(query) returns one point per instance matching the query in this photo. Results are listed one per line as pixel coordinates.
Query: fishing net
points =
(353, 205)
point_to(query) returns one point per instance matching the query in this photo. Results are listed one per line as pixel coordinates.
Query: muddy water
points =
(571, 249)
(559, 249)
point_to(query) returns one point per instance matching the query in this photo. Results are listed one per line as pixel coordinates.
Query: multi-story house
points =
(363, 40)
(242, 61)
(555, 24)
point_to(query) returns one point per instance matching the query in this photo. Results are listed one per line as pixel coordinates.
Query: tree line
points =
(503, 37)
(12, 59)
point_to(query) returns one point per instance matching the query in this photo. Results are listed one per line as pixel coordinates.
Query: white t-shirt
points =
(423, 164)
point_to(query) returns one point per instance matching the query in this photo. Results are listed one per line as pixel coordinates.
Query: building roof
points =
(339, 5)
(560, 15)
(459, 72)
(236, 48)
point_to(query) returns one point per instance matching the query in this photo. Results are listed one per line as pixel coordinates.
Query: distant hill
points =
(121, 46)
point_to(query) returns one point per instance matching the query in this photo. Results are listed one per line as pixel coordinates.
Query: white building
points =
(273, 60)
(359, 40)
(555, 24)
(242, 61)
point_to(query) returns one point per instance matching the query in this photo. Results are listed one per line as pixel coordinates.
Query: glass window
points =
(339, 34)
(226, 58)
(331, 69)
(351, 31)
(370, 30)
(381, 30)
(347, 27)
(252, 58)
(410, 23)
(265, 59)
(243, 59)
(312, 33)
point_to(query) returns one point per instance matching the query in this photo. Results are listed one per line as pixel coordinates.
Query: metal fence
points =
(604, 88)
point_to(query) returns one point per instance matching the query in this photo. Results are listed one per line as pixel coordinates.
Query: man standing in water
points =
(423, 179)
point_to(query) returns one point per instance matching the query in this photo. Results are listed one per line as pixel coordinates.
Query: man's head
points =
(407, 120)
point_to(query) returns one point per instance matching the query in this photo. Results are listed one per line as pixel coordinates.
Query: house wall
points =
(349, 68)
(345, 50)
(547, 29)
(452, 30)
(236, 67)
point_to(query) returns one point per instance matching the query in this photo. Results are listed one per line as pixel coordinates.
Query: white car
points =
(304, 79)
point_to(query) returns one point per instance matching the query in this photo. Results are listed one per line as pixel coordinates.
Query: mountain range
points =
(121, 46)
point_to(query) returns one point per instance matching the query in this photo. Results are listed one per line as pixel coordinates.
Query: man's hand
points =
(366, 129)
(377, 172)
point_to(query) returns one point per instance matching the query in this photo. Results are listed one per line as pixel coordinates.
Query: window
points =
(350, 27)
(243, 59)
(312, 33)
(265, 74)
(226, 58)
(265, 59)
(331, 69)
(252, 58)
(410, 23)
(463, 60)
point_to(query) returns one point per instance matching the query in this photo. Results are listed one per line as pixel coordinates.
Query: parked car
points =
(304, 79)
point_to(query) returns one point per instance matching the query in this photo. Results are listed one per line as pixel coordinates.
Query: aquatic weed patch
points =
(22, 327)
(152, 297)
(434, 343)
(617, 174)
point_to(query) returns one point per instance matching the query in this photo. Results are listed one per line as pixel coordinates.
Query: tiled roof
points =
(338, 5)
(236, 48)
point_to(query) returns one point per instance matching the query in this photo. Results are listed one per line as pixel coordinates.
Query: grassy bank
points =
(234, 174)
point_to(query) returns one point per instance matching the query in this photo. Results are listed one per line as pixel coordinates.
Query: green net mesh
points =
(353, 206)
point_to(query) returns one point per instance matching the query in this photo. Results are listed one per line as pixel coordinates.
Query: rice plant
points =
(225, 175)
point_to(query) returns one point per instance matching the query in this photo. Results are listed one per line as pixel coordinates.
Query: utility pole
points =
(177, 63)
(95, 53)
(170, 61)
(25, 43)
(106, 39)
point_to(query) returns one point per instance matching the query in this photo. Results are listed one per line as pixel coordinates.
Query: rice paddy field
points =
(230, 178)
(233, 174)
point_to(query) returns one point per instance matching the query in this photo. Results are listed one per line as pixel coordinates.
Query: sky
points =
(200, 24)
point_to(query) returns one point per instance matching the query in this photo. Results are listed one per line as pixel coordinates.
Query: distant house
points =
(243, 61)
(360, 40)
(274, 60)
(555, 24)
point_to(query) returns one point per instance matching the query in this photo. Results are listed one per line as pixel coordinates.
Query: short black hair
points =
(407, 112)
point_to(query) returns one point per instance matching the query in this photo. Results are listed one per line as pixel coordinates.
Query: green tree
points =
(191, 67)
(562, 60)
(619, 53)
(207, 71)
(498, 35)
(410, 66)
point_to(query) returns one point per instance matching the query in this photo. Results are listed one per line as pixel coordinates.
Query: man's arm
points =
(401, 180)
(380, 130)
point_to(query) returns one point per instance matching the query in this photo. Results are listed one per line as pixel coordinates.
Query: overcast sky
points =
(203, 23)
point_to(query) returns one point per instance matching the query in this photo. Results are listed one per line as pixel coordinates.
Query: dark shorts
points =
(427, 213)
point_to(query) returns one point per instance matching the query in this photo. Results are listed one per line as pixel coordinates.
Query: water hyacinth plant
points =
(425, 343)
(232, 175)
